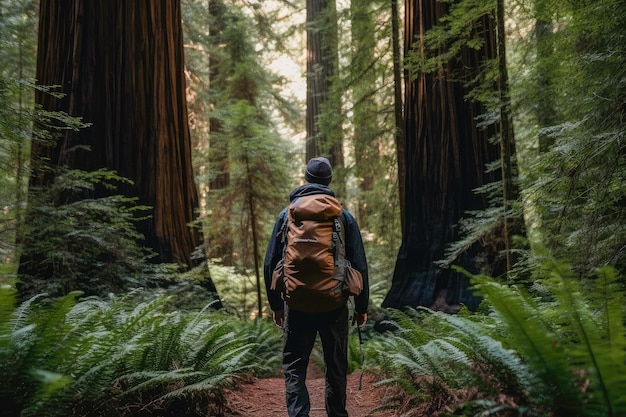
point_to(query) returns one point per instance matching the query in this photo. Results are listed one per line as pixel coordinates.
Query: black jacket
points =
(355, 252)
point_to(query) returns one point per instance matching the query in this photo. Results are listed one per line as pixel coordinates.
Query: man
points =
(300, 327)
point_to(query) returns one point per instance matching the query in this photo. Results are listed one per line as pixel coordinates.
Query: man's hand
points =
(359, 319)
(279, 317)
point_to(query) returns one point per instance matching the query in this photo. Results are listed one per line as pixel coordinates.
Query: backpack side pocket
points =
(278, 277)
(353, 281)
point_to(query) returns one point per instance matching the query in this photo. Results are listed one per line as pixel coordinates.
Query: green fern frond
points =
(572, 336)
(503, 364)
(413, 350)
(438, 358)
(530, 335)
(22, 312)
(528, 332)
(593, 323)
(66, 355)
(266, 340)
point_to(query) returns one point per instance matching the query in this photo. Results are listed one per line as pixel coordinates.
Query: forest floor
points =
(265, 397)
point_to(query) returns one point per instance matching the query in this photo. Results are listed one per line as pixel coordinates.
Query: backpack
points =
(313, 269)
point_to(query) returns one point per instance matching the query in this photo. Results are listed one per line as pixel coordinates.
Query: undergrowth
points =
(556, 348)
(94, 357)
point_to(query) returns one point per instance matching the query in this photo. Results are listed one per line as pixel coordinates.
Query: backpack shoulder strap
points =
(339, 249)
(284, 228)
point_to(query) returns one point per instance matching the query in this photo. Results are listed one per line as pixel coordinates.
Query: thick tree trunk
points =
(120, 65)
(446, 155)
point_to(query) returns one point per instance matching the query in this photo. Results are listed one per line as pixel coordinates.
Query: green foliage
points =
(569, 94)
(9, 144)
(18, 38)
(557, 348)
(437, 358)
(97, 357)
(356, 353)
(77, 243)
(265, 354)
(455, 32)
(237, 290)
(571, 333)
(247, 152)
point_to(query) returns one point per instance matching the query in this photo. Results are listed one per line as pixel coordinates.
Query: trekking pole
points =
(358, 329)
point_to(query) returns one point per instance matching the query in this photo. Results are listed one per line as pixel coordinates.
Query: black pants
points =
(301, 330)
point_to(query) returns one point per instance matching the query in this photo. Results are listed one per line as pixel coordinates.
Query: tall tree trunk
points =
(220, 234)
(255, 240)
(545, 109)
(507, 139)
(365, 109)
(322, 62)
(397, 102)
(120, 65)
(446, 155)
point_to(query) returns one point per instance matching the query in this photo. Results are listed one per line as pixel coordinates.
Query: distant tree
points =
(323, 130)
(364, 82)
(222, 24)
(447, 155)
(545, 109)
(576, 181)
(246, 179)
(368, 117)
(119, 66)
(236, 100)
(18, 45)
(399, 134)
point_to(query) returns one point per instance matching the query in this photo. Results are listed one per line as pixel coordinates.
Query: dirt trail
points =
(266, 398)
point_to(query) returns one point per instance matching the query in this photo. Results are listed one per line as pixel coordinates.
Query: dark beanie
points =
(319, 171)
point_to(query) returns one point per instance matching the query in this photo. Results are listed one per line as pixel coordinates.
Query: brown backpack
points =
(313, 268)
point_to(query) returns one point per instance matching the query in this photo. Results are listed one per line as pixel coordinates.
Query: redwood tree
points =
(119, 65)
(446, 155)
(323, 139)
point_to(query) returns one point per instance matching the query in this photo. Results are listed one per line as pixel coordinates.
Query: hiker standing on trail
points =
(304, 271)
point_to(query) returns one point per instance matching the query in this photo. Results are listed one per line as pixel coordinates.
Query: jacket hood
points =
(310, 189)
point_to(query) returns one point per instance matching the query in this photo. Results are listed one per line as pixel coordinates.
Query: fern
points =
(558, 348)
(510, 375)
(268, 341)
(572, 339)
(30, 349)
(597, 349)
(97, 357)
(425, 364)
(534, 339)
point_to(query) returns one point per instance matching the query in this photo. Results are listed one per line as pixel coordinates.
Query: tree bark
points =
(322, 62)
(120, 65)
(399, 119)
(446, 155)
